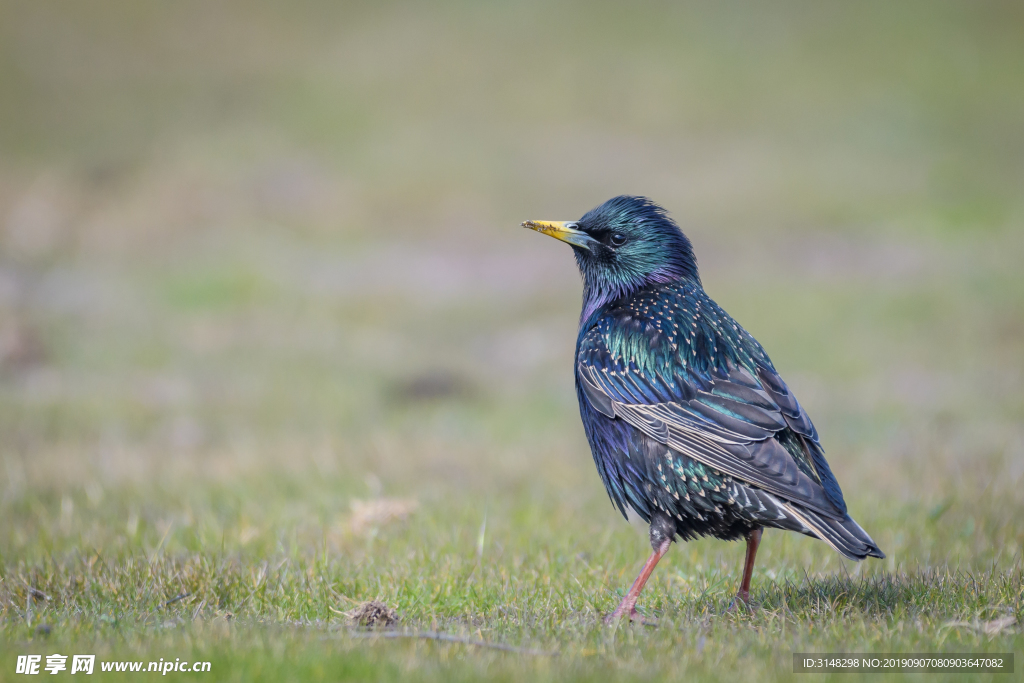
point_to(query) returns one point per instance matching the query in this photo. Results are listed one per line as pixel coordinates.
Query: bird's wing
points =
(725, 418)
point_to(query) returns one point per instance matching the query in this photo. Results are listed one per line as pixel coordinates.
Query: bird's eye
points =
(618, 239)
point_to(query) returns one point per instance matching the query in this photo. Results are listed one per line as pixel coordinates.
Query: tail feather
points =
(763, 508)
(845, 536)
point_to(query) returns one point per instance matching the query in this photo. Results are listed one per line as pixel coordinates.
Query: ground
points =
(272, 344)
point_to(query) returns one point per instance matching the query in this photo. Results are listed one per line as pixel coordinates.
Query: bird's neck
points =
(597, 296)
(600, 293)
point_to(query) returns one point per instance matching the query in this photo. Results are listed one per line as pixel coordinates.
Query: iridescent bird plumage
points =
(688, 421)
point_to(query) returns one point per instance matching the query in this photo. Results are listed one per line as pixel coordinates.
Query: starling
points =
(689, 423)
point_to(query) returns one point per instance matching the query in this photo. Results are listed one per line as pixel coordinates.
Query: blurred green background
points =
(260, 263)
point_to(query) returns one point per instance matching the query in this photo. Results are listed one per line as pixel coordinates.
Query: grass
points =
(271, 344)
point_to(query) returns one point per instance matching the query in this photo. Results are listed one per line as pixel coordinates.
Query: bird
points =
(688, 420)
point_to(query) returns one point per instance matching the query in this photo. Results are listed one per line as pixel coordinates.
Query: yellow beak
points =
(560, 230)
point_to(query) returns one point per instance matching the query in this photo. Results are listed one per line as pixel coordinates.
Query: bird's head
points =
(623, 245)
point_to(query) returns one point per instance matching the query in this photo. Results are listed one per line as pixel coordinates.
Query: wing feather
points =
(729, 423)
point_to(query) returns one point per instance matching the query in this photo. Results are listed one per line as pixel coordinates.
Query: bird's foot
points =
(740, 602)
(634, 617)
(638, 618)
(617, 614)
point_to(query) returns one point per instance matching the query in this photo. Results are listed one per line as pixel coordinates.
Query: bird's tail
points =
(844, 535)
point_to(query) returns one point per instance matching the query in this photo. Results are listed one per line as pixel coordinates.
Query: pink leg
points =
(743, 594)
(628, 604)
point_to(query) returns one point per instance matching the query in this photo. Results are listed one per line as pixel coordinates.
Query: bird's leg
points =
(663, 530)
(743, 594)
(628, 604)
